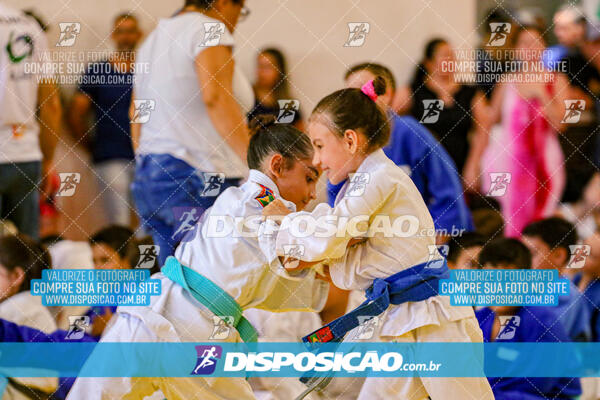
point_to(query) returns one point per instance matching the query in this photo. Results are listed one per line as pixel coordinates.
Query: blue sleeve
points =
(442, 191)
(485, 318)
(574, 315)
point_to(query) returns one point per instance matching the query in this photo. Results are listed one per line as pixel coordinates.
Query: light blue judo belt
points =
(212, 296)
(417, 283)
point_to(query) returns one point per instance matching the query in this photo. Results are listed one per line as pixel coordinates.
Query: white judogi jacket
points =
(238, 266)
(388, 192)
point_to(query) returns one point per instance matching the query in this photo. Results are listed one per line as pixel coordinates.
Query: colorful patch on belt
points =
(265, 196)
(323, 335)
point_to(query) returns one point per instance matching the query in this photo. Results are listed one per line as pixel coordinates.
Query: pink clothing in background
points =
(526, 146)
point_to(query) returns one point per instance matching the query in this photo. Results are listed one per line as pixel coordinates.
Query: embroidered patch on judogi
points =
(265, 196)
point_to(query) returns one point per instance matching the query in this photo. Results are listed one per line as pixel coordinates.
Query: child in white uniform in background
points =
(280, 160)
(21, 260)
(347, 131)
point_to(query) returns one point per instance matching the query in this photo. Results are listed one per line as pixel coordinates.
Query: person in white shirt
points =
(27, 93)
(348, 130)
(188, 127)
(241, 266)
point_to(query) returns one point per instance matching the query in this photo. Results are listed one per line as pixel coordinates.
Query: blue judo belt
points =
(417, 283)
(212, 296)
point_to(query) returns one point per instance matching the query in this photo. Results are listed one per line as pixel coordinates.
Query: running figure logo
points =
(287, 111)
(77, 326)
(579, 253)
(291, 255)
(357, 184)
(498, 183)
(573, 110)
(68, 183)
(358, 33)
(187, 217)
(212, 184)
(68, 33)
(508, 326)
(207, 359)
(212, 34)
(432, 108)
(222, 325)
(148, 255)
(142, 110)
(366, 329)
(500, 31)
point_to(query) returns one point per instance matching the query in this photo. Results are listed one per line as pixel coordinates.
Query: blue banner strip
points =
(294, 360)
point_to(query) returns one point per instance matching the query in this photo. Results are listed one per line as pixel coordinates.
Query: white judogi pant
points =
(128, 328)
(417, 388)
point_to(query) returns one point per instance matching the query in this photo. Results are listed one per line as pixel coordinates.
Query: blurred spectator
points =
(193, 145)
(550, 242)
(27, 147)
(524, 154)
(487, 216)
(112, 247)
(491, 56)
(505, 253)
(67, 254)
(587, 281)
(21, 260)
(106, 89)
(463, 250)
(272, 85)
(463, 111)
(584, 213)
(535, 324)
(414, 149)
(579, 140)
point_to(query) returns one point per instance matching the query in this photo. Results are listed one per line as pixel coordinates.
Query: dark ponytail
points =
(353, 109)
(268, 137)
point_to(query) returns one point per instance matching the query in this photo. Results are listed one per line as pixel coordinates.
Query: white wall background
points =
(310, 32)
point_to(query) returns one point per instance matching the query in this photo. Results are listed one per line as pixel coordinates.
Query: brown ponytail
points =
(353, 109)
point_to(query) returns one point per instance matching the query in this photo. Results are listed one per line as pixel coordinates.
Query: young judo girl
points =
(235, 267)
(348, 130)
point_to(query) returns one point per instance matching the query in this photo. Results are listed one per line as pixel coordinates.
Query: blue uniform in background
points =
(537, 324)
(10, 332)
(591, 299)
(432, 171)
(574, 315)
